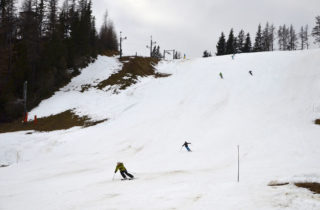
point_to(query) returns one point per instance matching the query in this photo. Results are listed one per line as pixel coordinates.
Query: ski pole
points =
(113, 176)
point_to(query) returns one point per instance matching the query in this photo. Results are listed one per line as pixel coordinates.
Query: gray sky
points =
(192, 26)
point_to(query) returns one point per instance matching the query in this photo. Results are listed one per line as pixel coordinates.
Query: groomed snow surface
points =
(270, 115)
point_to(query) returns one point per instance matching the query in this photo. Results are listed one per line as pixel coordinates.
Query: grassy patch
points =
(133, 67)
(64, 120)
(312, 186)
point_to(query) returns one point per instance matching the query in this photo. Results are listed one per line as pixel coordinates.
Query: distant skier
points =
(123, 171)
(186, 146)
(233, 56)
(250, 72)
(221, 76)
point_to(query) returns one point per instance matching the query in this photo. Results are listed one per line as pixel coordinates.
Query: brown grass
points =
(312, 186)
(133, 67)
(110, 53)
(64, 120)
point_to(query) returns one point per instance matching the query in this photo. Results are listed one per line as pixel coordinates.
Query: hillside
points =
(270, 115)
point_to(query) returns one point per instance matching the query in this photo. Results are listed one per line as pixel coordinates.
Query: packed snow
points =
(270, 115)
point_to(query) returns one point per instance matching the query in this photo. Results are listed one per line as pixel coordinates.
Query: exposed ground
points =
(133, 67)
(312, 186)
(64, 120)
(276, 184)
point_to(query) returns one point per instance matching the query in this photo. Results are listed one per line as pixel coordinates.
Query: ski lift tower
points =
(121, 39)
(151, 43)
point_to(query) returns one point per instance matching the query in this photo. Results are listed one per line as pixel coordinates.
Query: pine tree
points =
(93, 38)
(292, 39)
(64, 21)
(271, 36)
(306, 36)
(247, 45)
(265, 40)
(283, 37)
(177, 55)
(8, 23)
(40, 10)
(221, 46)
(280, 38)
(240, 41)
(235, 45)
(52, 17)
(230, 47)
(206, 54)
(156, 52)
(107, 36)
(301, 36)
(316, 31)
(258, 41)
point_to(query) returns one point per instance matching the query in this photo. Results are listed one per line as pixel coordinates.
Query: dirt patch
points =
(277, 184)
(317, 121)
(64, 120)
(133, 67)
(312, 186)
(85, 87)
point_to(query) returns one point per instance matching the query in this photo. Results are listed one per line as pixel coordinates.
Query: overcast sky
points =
(192, 26)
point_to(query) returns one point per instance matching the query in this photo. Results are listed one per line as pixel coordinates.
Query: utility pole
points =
(151, 43)
(121, 38)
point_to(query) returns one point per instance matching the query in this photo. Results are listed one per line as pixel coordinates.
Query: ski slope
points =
(269, 115)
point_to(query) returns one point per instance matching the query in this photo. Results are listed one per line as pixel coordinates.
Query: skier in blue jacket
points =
(186, 146)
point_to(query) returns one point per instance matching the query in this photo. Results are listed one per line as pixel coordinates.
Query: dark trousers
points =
(124, 173)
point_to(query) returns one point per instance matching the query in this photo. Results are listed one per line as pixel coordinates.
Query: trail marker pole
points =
(238, 165)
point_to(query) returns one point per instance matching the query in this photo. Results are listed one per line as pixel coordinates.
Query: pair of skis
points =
(127, 179)
(123, 179)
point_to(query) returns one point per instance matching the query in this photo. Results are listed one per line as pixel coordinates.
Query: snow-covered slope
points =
(270, 115)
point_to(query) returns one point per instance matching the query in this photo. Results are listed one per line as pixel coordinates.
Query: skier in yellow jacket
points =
(123, 171)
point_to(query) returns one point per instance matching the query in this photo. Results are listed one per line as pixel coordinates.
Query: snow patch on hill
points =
(270, 115)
